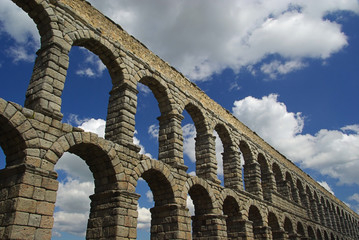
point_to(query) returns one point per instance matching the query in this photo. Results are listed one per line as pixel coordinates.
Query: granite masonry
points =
(276, 199)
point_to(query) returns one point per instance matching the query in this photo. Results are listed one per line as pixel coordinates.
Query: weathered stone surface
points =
(276, 199)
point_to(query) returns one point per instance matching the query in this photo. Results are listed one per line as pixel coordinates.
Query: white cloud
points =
(92, 66)
(219, 151)
(326, 186)
(189, 134)
(143, 88)
(275, 68)
(15, 22)
(149, 196)
(190, 205)
(73, 206)
(20, 53)
(331, 152)
(201, 38)
(355, 199)
(153, 130)
(94, 125)
(144, 218)
(74, 166)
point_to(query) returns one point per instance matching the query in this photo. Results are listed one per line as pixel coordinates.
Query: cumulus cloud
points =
(326, 186)
(153, 130)
(189, 134)
(18, 25)
(92, 66)
(201, 38)
(144, 218)
(73, 206)
(331, 152)
(355, 199)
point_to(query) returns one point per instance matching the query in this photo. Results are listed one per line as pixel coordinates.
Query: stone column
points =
(209, 226)
(314, 209)
(113, 215)
(262, 232)
(120, 124)
(321, 213)
(171, 140)
(27, 202)
(48, 78)
(169, 222)
(234, 227)
(279, 234)
(232, 168)
(246, 230)
(206, 163)
(252, 178)
(268, 185)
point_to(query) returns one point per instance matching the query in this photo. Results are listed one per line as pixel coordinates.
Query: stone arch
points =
(206, 166)
(302, 194)
(320, 209)
(233, 216)
(300, 229)
(273, 223)
(319, 234)
(159, 178)
(311, 233)
(102, 161)
(279, 180)
(206, 209)
(251, 169)
(312, 210)
(326, 236)
(255, 216)
(166, 214)
(38, 12)
(292, 190)
(288, 226)
(267, 180)
(332, 237)
(16, 135)
(231, 159)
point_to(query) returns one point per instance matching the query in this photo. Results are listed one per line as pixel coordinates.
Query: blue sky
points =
(288, 69)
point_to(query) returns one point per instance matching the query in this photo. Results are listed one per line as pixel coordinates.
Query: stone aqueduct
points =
(279, 200)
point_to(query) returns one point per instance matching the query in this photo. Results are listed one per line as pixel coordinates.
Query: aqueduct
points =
(279, 200)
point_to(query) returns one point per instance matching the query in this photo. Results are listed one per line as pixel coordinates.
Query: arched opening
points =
(12, 145)
(319, 208)
(319, 235)
(301, 193)
(266, 177)
(20, 40)
(311, 234)
(312, 210)
(149, 108)
(88, 82)
(278, 176)
(157, 207)
(2, 159)
(288, 226)
(189, 143)
(233, 220)
(229, 168)
(257, 221)
(202, 208)
(251, 172)
(332, 237)
(273, 223)
(72, 207)
(291, 188)
(219, 148)
(326, 237)
(147, 129)
(300, 230)
(205, 155)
